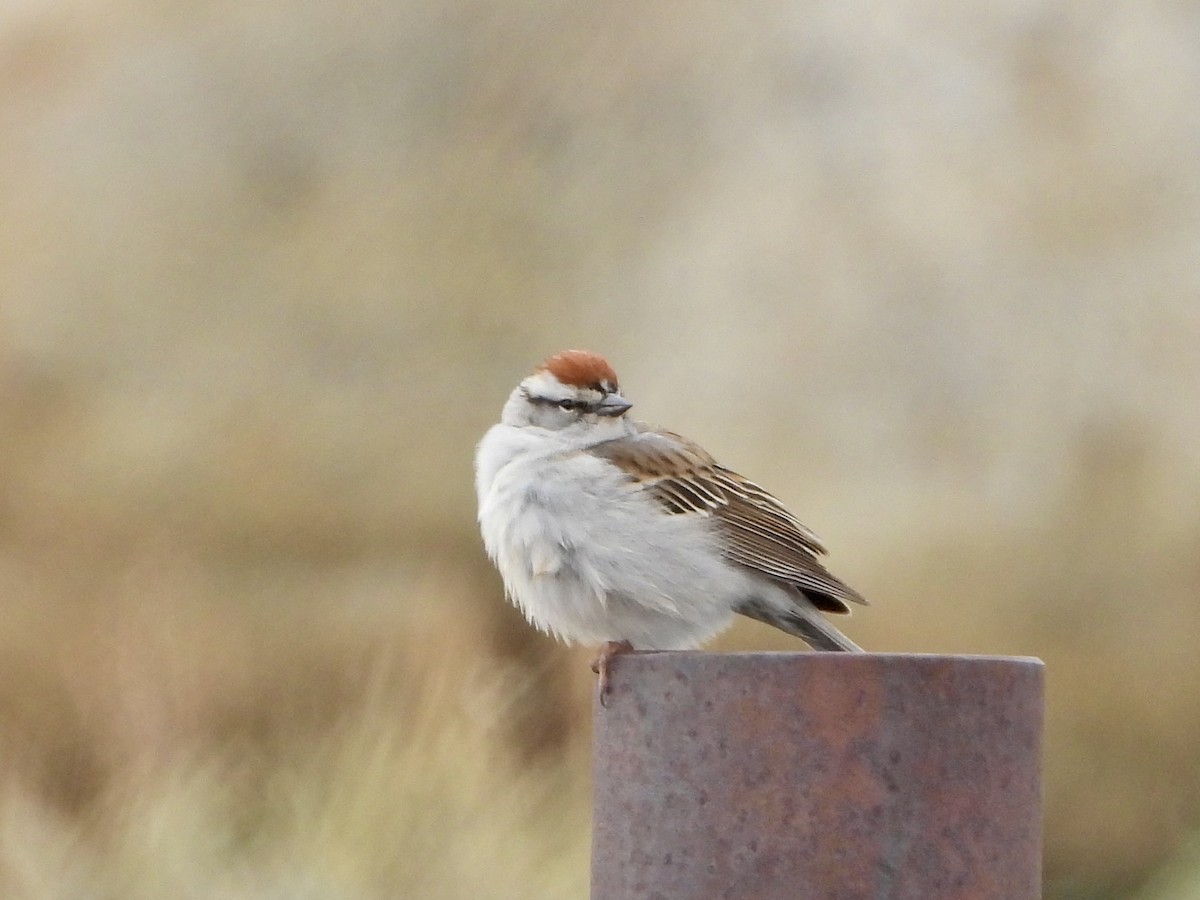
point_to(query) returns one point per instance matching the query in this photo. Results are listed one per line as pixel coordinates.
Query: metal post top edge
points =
(803, 656)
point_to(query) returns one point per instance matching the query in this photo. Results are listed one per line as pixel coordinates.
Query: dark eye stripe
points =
(565, 403)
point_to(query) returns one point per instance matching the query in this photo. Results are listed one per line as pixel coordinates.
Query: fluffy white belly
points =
(589, 557)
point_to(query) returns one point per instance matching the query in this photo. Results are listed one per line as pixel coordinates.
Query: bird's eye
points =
(569, 404)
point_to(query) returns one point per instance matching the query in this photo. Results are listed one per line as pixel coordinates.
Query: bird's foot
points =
(602, 662)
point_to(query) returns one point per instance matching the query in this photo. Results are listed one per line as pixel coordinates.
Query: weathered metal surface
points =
(818, 776)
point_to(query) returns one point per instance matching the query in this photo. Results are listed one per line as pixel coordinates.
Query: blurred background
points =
(927, 271)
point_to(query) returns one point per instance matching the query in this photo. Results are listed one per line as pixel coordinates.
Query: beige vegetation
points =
(268, 270)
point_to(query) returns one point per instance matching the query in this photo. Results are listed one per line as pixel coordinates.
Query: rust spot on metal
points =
(765, 776)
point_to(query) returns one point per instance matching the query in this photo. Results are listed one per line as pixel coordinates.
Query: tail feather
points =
(816, 631)
(805, 623)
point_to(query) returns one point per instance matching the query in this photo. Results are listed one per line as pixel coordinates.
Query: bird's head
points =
(573, 387)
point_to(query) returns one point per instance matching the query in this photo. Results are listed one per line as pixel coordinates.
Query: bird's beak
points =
(613, 405)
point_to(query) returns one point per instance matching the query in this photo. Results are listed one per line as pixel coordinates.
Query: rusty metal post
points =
(814, 776)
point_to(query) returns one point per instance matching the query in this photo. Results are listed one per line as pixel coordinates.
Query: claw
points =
(601, 666)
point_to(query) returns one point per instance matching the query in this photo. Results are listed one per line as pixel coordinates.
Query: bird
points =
(607, 531)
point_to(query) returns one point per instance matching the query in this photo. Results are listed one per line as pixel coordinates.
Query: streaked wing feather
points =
(757, 530)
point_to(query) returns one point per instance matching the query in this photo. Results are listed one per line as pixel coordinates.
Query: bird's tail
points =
(814, 629)
(806, 623)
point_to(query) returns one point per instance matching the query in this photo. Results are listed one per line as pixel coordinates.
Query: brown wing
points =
(757, 531)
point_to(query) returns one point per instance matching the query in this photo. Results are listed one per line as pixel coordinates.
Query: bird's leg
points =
(603, 660)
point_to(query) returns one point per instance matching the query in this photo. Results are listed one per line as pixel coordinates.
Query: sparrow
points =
(610, 532)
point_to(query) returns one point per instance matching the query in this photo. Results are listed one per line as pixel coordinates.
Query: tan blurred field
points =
(267, 271)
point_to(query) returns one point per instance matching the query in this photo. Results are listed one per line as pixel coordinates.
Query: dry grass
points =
(163, 743)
